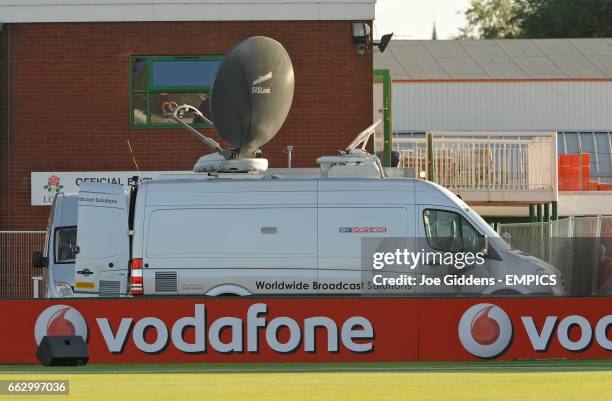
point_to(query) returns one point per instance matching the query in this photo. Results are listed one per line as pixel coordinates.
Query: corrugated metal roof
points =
(497, 59)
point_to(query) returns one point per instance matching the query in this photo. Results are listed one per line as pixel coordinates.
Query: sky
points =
(413, 19)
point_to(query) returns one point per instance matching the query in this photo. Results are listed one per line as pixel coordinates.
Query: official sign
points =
(45, 184)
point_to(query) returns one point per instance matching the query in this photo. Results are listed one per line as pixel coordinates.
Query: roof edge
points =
(194, 10)
(499, 80)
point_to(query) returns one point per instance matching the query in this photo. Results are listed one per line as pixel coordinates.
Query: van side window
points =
(65, 244)
(451, 232)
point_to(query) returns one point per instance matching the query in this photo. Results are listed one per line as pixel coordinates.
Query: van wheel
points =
(506, 291)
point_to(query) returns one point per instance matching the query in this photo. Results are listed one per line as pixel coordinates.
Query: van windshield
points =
(49, 227)
(482, 224)
(479, 221)
(65, 244)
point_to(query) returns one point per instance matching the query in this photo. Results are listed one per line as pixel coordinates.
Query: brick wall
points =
(4, 126)
(69, 98)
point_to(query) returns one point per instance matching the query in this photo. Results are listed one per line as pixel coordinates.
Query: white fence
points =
(487, 161)
(16, 269)
(575, 245)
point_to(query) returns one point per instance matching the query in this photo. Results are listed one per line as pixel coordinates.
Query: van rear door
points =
(102, 240)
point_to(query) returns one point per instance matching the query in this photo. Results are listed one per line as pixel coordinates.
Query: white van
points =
(243, 234)
(58, 257)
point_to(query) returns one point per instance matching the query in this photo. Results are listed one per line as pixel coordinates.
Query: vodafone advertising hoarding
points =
(215, 330)
(511, 329)
(314, 329)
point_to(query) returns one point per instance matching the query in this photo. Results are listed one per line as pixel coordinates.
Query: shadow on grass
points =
(415, 367)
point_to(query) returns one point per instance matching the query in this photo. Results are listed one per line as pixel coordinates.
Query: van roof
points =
(294, 191)
(292, 183)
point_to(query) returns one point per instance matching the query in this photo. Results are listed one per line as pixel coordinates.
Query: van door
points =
(447, 238)
(102, 240)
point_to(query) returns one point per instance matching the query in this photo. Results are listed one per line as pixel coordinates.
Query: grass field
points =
(538, 381)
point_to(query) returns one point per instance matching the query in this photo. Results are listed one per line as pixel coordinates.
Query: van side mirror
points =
(38, 260)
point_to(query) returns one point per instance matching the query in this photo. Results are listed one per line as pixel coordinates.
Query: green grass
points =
(505, 381)
(508, 366)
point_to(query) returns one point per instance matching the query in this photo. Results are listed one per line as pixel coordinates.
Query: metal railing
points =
(484, 161)
(16, 271)
(413, 153)
(577, 246)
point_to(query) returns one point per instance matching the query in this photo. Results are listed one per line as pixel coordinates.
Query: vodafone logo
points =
(226, 334)
(485, 330)
(60, 320)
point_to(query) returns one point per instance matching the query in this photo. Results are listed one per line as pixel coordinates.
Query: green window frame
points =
(145, 95)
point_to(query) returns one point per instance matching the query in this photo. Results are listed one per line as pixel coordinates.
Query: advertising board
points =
(149, 330)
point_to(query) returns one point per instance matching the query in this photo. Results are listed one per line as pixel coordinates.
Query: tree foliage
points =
(490, 19)
(496, 19)
(565, 18)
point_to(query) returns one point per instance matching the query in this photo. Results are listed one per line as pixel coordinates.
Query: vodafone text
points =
(486, 331)
(354, 328)
(540, 340)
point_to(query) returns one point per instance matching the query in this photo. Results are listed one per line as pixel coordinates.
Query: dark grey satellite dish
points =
(252, 94)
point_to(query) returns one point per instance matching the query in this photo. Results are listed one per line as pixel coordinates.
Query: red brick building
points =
(70, 93)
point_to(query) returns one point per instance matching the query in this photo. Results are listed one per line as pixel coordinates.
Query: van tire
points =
(506, 291)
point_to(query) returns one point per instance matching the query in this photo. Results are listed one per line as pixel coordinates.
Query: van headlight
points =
(63, 290)
(560, 287)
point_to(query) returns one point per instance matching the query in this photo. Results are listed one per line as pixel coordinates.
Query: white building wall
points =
(583, 203)
(502, 105)
(17, 11)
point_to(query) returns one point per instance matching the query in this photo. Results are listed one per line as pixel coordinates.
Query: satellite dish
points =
(252, 94)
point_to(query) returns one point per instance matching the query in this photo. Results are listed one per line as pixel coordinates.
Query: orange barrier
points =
(574, 174)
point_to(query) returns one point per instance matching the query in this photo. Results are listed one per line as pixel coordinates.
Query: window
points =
(160, 83)
(449, 231)
(597, 144)
(48, 231)
(65, 244)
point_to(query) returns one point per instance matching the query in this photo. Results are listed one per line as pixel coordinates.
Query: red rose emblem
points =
(54, 181)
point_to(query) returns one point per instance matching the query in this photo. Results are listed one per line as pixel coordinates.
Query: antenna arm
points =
(207, 141)
(362, 137)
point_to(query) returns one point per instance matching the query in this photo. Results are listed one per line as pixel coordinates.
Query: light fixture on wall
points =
(361, 35)
(360, 31)
(383, 42)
